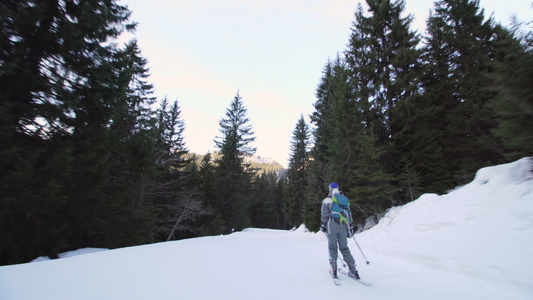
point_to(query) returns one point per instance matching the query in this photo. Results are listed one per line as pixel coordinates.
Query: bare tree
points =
(188, 208)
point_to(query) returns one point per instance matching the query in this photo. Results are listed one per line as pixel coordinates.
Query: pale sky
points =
(202, 52)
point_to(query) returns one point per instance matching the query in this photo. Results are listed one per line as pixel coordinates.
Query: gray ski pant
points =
(338, 240)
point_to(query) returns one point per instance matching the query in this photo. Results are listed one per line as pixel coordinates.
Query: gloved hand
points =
(351, 231)
(323, 227)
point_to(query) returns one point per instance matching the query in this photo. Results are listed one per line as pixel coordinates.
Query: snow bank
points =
(302, 228)
(483, 230)
(72, 253)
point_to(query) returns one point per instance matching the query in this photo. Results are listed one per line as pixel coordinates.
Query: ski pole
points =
(367, 262)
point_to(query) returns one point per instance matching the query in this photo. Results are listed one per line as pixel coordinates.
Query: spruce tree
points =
(420, 143)
(179, 199)
(234, 181)
(319, 169)
(372, 191)
(314, 194)
(60, 85)
(383, 60)
(513, 104)
(332, 93)
(264, 211)
(345, 118)
(459, 48)
(213, 198)
(320, 116)
(278, 196)
(294, 196)
(337, 118)
(134, 149)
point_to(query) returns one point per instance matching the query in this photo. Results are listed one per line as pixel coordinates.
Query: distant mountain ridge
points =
(260, 160)
(261, 163)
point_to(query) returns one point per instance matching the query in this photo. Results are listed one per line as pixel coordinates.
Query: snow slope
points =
(476, 242)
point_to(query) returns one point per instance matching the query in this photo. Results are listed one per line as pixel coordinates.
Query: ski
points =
(335, 279)
(343, 271)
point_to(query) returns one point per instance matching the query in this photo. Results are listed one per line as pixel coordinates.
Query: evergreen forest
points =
(90, 158)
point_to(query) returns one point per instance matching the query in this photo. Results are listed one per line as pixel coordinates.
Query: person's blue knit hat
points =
(333, 185)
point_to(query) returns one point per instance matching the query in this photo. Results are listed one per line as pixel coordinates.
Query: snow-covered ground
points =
(476, 242)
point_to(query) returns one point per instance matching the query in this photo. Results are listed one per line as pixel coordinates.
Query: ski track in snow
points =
(475, 242)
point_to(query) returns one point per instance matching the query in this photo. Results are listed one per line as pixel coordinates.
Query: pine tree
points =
(234, 180)
(320, 117)
(383, 61)
(213, 199)
(294, 196)
(345, 118)
(265, 211)
(333, 96)
(171, 128)
(60, 84)
(513, 104)
(383, 64)
(459, 47)
(337, 118)
(134, 149)
(278, 196)
(319, 169)
(314, 194)
(420, 144)
(180, 199)
(364, 94)
(371, 192)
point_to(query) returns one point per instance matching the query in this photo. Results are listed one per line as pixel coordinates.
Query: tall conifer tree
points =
(234, 179)
(383, 65)
(319, 166)
(459, 48)
(294, 199)
(346, 125)
(383, 61)
(512, 81)
(213, 199)
(61, 80)
(265, 212)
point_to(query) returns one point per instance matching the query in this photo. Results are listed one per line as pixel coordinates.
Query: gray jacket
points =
(326, 210)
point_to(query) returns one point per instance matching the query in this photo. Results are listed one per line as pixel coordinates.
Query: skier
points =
(338, 232)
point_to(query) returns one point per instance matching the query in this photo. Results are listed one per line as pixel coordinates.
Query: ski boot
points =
(333, 264)
(353, 272)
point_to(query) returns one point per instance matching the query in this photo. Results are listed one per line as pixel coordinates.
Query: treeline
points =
(85, 160)
(398, 114)
(89, 158)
